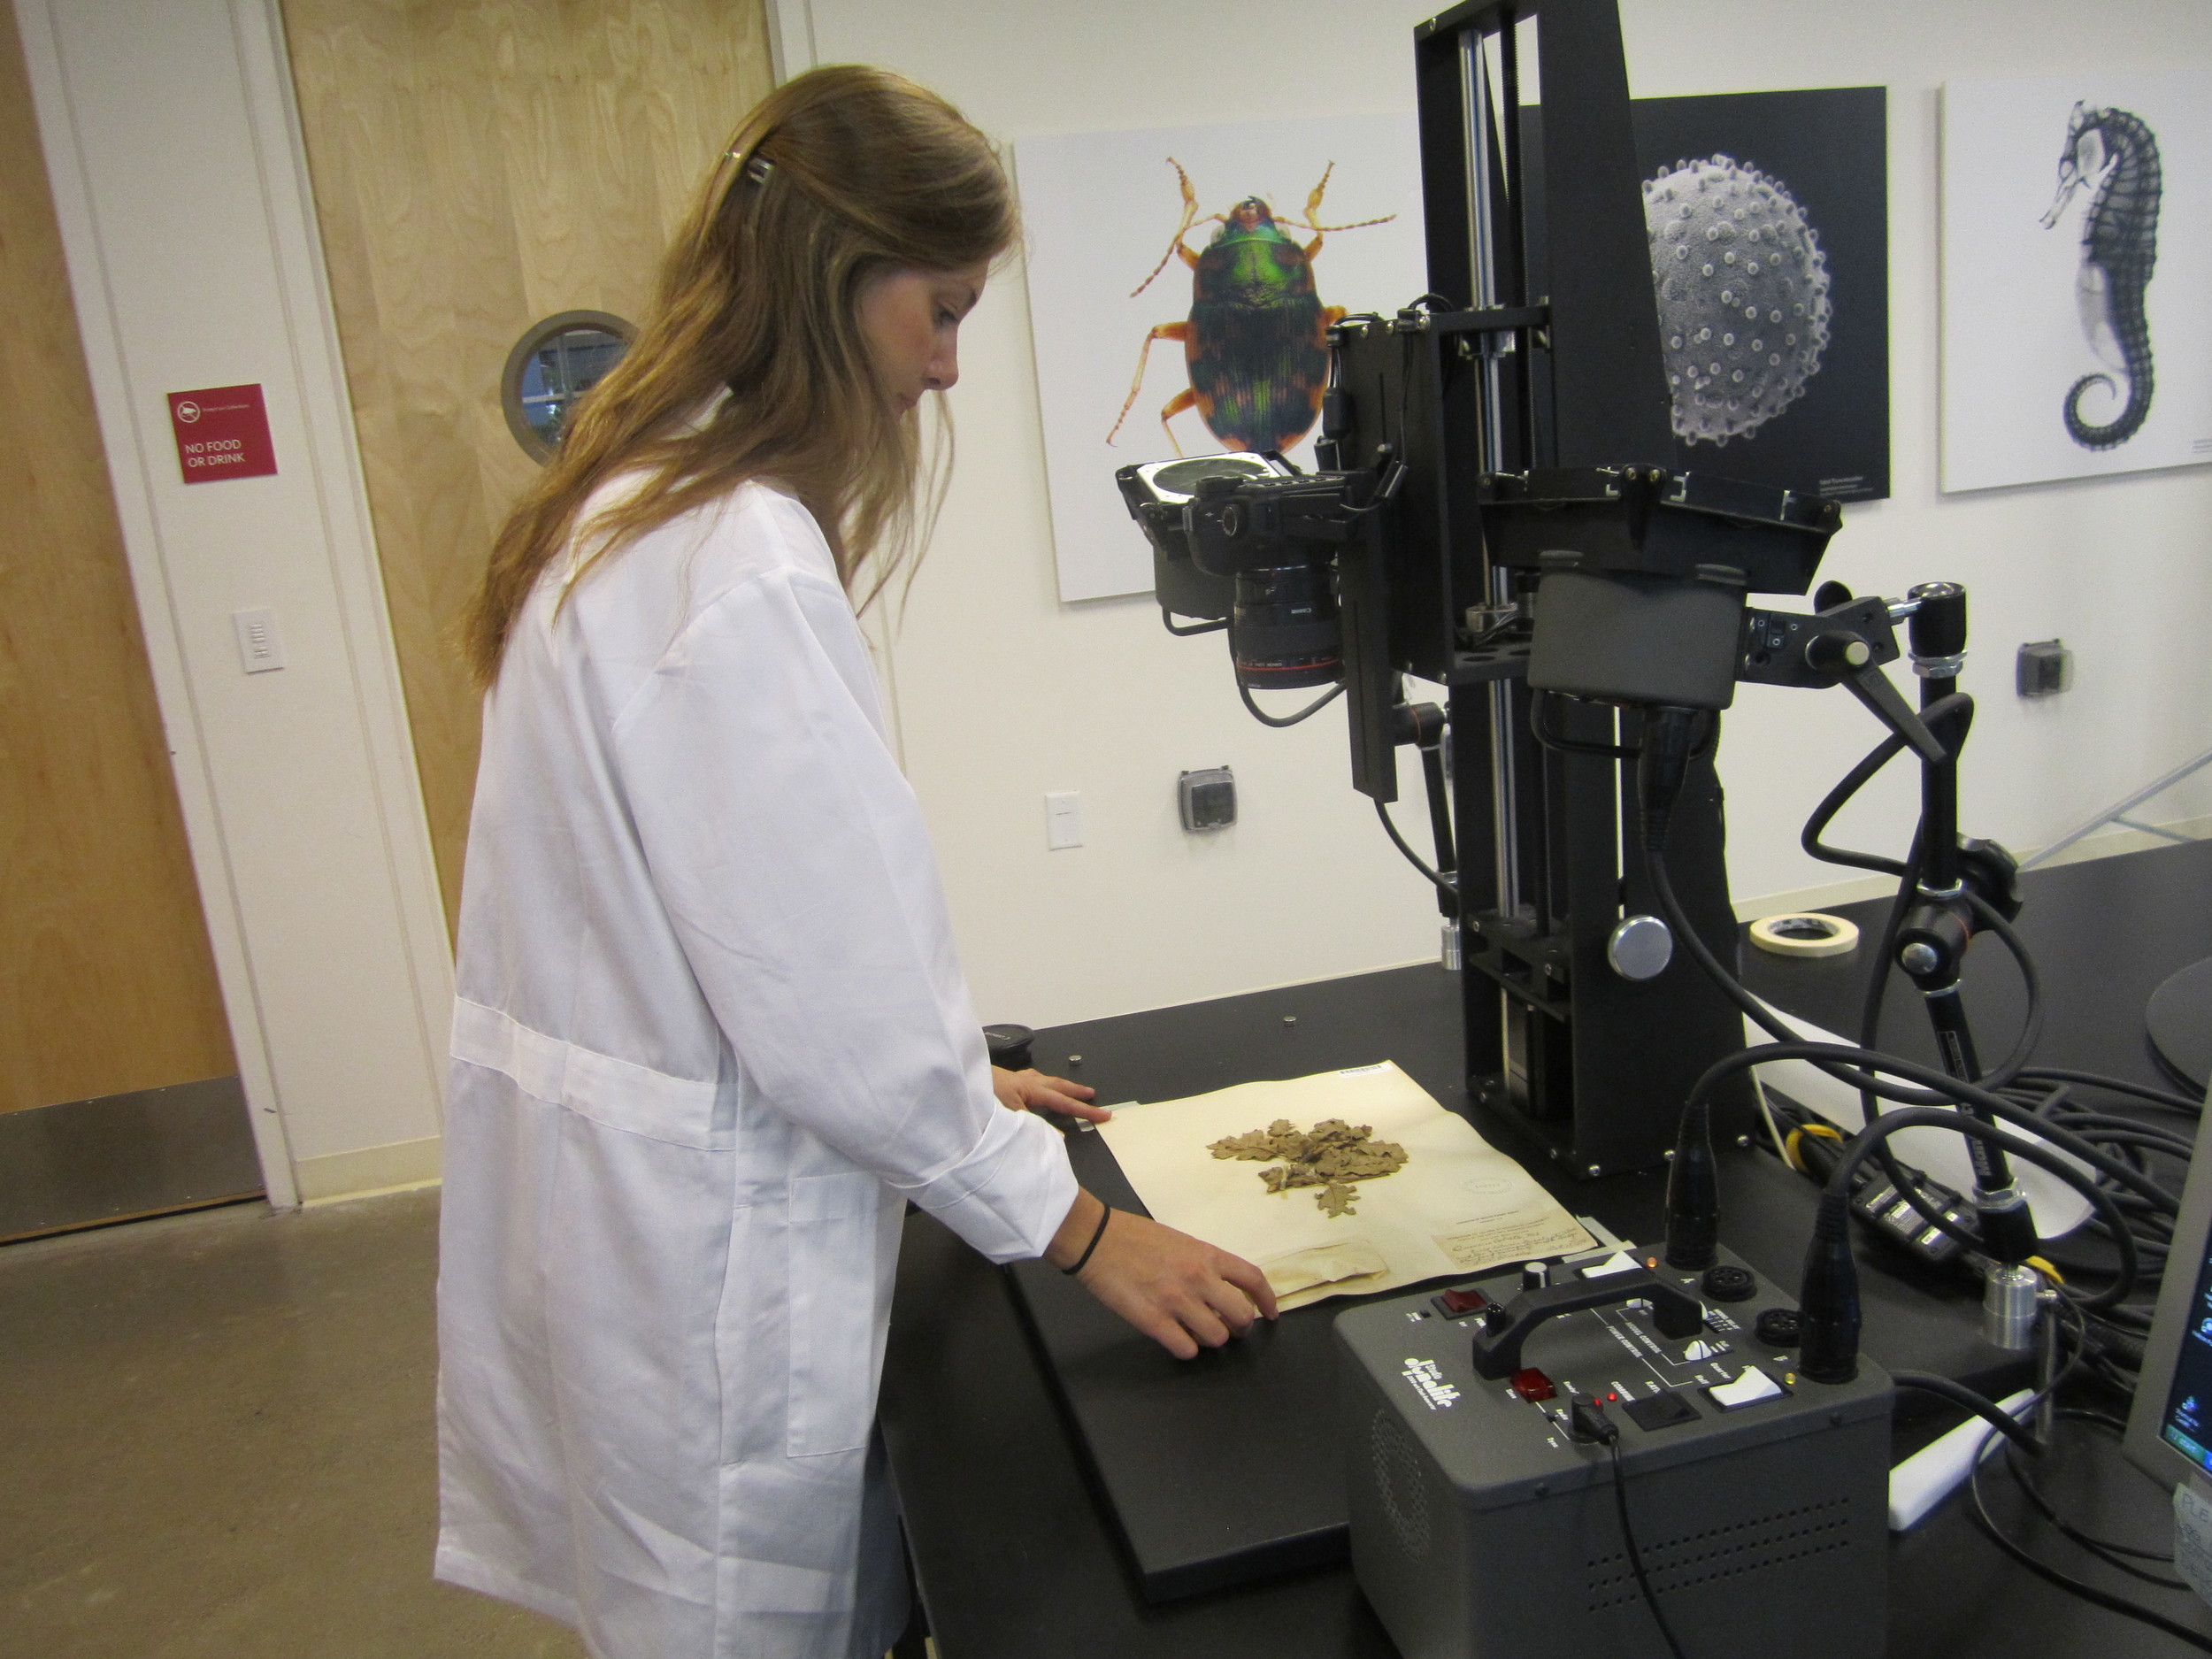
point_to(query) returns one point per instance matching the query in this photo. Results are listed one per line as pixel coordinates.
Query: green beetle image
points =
(1256, 340)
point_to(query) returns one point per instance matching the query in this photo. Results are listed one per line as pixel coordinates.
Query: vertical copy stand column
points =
(1559, 1045)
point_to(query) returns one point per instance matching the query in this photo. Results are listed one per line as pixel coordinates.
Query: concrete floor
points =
(216, 1439)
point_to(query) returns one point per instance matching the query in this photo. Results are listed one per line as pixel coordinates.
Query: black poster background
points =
(1830, 148)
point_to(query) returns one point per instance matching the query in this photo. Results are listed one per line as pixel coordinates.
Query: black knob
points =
(1724, 1281)
(1939, 626)
(1932, 943)
(1779, 1327)
(1010, 1046)
(1838, 652)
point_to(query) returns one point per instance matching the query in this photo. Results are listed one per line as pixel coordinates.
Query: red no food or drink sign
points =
(222, 432)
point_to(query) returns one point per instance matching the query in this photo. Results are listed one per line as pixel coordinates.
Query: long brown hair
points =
(836, 176)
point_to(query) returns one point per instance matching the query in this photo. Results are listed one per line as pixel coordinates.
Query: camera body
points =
(1270, 522)
(1248, 539)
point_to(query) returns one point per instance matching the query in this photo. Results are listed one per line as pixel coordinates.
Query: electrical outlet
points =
(1206, 800)
(1064, 820)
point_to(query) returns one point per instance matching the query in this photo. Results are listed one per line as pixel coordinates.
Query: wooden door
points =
(480, 166)
(107, 985)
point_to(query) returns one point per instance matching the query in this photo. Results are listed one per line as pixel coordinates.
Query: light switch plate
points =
(260, 647)
(1064, 820)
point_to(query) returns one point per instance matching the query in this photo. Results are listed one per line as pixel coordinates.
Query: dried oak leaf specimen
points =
(1331, 1155)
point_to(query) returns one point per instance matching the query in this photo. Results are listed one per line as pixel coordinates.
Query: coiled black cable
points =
(1967, 1400)
(1391, 829)
(1306, 713)
(1986, 1524)
(1864, 1143)
(2013, 1074)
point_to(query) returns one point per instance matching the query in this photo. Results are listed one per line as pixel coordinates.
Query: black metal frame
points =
(1547, 356)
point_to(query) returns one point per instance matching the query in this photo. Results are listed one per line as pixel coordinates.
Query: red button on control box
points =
(1533, 1385)
(1455, 1303)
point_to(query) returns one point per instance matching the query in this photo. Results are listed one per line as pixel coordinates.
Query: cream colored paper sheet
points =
(1458, 1206)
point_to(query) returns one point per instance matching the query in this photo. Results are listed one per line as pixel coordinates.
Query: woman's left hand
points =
(1033, 1091)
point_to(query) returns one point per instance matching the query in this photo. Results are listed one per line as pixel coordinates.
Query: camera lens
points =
(1283, 627)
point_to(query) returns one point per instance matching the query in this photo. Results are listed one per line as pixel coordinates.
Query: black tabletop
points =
(1015, 1559)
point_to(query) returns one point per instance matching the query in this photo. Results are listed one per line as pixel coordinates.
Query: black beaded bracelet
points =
(1106, 1214)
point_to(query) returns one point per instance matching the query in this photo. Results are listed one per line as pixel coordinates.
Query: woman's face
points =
(911, 322)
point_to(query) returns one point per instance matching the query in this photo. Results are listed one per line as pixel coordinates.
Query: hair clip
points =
(757, 168)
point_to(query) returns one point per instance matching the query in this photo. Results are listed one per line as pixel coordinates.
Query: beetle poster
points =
(2077, 266)
(1136, 238)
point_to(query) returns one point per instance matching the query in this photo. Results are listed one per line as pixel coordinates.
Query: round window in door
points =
(551, 366)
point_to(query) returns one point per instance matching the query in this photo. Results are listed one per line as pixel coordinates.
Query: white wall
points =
(1005, 693)
(186, 216)
(186, 220)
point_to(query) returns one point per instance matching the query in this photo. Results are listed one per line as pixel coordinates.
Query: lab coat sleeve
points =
(792, 859)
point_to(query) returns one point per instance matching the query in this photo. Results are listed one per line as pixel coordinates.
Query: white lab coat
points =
(711, 1035)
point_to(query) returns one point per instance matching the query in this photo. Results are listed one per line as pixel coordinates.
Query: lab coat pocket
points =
(833, 1262)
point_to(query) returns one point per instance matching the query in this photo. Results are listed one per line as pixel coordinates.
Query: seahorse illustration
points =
(2115, 155)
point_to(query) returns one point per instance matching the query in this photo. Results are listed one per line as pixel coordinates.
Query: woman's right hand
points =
(1179, 1291)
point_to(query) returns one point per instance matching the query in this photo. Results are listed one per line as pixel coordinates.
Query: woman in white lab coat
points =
(712, 1036)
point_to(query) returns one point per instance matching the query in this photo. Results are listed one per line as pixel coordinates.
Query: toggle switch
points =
(1748, 1389)
(1533, 1385)
(1457, 1304)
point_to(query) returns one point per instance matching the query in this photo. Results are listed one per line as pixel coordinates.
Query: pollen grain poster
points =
(1113, 297)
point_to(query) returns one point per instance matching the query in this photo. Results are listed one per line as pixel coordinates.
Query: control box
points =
(1480, 1424)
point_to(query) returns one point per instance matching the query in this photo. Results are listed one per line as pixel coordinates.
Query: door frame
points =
(351, 1077)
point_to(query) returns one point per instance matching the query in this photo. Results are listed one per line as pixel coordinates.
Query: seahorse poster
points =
(1130, 233)
(2076, 276)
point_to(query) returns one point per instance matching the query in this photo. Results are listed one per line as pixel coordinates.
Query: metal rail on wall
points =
(2117, 813)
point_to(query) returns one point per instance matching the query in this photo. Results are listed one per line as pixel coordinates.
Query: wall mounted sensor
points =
(2043, 669)
(1208, 799)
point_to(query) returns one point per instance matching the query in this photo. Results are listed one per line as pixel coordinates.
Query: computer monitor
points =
(2170, 1426)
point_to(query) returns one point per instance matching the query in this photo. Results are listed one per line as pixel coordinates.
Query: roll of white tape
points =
(1805, 933)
